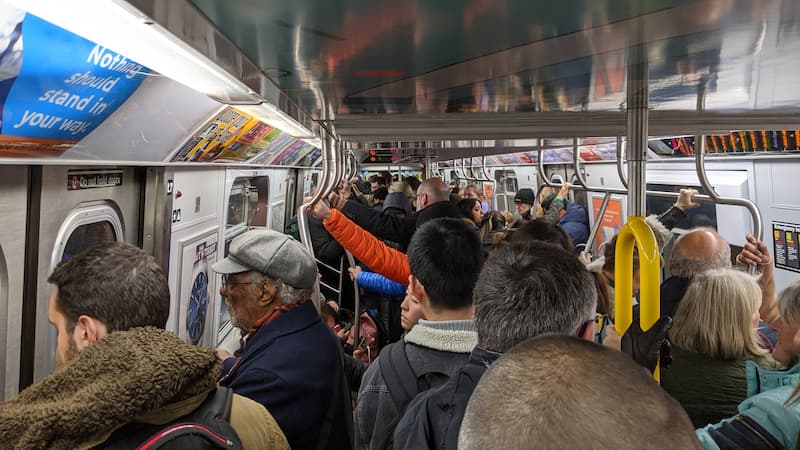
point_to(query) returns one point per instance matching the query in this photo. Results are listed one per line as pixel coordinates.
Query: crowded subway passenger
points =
(377, 225)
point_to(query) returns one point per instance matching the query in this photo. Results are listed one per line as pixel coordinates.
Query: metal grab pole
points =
(356, 302)
(593, 233)
(623, 177)
(329, 180)
(638, 116)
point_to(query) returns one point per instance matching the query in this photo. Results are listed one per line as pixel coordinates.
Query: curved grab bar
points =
(330, 175)
(459, 173)
(542, 173)
(637, 232)
(755, 213)
(576, 159)
(435, 172)
(623, 177)
(471, 175)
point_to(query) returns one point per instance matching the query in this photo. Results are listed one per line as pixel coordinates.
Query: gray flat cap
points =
(274, 254)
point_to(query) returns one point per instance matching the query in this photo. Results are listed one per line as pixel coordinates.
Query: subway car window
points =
(703, 216)
(247, 202)
(87, 236)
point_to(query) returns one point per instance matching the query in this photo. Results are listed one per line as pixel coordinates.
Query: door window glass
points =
(247, 202)
(87, 236)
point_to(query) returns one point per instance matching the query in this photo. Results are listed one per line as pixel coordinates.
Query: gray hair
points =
(288, 295)
(789, 303)
(537, 394)
(528, 289)
(686, 264)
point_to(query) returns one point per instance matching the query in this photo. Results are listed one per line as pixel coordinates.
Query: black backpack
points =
(401, 381)
(207, 427)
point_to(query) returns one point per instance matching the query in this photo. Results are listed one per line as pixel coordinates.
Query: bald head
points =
(564, 392)
(431, 191)
(699, 250)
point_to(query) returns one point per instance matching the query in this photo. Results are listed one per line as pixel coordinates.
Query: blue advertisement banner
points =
(56, 85)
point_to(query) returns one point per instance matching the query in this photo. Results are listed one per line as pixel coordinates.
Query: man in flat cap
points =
(289, 360)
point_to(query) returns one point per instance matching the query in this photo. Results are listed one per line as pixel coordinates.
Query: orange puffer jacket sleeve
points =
(379, 257)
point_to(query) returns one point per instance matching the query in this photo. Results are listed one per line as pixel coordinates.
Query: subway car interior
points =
(178, 125)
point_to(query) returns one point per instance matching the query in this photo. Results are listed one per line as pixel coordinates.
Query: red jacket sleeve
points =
(378, 256)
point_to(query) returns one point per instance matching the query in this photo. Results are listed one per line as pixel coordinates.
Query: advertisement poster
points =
(55, 86)
(233, 135)
(197, 286)
(610, 223)
(228, 129)
(785, 246)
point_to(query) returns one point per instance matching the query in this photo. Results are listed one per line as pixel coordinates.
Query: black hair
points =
(465, 207)
(115, 283)
(540, 230)
(380, 193)
(379, 178)
(413, 182)
(445, 255)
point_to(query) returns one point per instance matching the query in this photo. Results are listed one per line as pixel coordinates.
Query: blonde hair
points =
(402, 186)
(789, 303)
(715, 316)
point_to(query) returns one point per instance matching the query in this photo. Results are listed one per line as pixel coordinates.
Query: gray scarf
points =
(108, 384)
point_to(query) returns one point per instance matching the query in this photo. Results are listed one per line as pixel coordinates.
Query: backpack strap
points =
(219, 404)
(400, 378)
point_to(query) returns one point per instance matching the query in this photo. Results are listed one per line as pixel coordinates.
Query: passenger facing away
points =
(289, 360)
(770, 417)
(367, 248)
(433, 201)
(117, 366)
(567, 215)
(563, 392)
(445, 257)
(704, 249)
(713, 336)
(524, 290)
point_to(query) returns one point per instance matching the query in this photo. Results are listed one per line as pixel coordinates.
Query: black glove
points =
(646, 348)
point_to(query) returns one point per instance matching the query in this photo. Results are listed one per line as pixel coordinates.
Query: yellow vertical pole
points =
(637, 232)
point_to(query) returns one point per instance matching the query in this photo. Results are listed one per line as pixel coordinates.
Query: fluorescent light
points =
(124, 30)
(273, 116)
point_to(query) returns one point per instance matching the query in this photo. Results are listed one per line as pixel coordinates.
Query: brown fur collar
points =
(122, 376)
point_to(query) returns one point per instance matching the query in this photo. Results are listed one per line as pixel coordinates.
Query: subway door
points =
(249, 201)
(13, 198)
(79, 208)
(194, 246)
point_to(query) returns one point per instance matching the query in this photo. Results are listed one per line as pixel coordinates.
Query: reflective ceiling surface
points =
(441, 56)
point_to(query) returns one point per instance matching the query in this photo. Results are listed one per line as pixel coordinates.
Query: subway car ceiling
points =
(260, 83)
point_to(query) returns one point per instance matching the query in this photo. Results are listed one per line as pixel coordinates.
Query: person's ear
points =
(88, 330)
(416, 288)
(269, 290)
(587, 333)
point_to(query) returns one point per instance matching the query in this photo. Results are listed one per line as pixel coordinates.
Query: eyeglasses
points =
(601, 323)
(226, 283)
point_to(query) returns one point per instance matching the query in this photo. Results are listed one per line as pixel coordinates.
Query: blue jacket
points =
(575, 223)
(292, 367)
(380, 284)
(768, 390)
